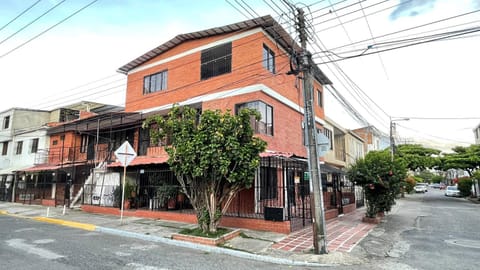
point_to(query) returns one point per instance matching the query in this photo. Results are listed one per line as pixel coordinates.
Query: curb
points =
(3, 212)
(77, 225)
(211, 249)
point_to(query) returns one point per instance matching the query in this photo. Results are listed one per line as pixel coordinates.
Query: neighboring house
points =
(242, 65)
(33, 155)
(373, 139)
(22, 133)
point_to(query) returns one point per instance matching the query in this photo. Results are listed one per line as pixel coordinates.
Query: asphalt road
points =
(27, 244)
(425, 231)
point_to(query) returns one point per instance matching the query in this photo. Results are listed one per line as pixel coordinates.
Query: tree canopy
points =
(213, 156)
(465, 158)
(417, 157)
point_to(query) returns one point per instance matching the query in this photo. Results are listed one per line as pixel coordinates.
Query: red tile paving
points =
(343, 234)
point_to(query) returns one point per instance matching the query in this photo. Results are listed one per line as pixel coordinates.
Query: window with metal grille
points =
(216, 61)
(34, 147)
(155, 82)
(265, 124)
(268, 183)
(268, 59)
(19, 148)
(84, 143)
(329, 135)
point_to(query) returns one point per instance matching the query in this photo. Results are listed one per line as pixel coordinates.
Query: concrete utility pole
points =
(318, 218)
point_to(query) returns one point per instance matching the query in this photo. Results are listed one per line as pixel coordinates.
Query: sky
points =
(373, 60)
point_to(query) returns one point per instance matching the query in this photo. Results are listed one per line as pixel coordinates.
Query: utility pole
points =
(318, 217)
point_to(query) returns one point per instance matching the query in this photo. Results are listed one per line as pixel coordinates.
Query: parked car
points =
(420, 187)
(442, 186)
(452, 191)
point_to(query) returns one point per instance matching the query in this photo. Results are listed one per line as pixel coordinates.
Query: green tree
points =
(465, 186)
(464, 158)
(417, 157)
(213, 156)
(381, 179)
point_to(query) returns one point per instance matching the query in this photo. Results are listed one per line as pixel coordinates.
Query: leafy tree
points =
(213, 157)
(465, 186)
(437, 179)
(381, 179)
(417, 157)
(464, 158)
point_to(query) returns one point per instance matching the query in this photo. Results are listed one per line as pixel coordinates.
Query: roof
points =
(42, 167)
(267, 23)
(142, 160)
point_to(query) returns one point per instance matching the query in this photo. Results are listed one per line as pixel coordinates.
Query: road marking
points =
(44, 241)
(464, 243)
(32, 249)
(138, 266)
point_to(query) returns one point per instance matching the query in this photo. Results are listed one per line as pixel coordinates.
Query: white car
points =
(420, 187)
(452, 191)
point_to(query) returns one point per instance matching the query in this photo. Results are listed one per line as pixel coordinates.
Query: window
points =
(19, 148)
(265, 124)
(84, 143)
(6, 122)
(319, 99)
(156, 82)
(34, 147)
(55, 142)
(268, 59)
(4, 148)
(329, 134)
(268, 183)
(216, 61)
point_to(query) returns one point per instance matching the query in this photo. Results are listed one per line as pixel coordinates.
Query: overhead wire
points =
(32, 22)
(48, 29)
(19, 15)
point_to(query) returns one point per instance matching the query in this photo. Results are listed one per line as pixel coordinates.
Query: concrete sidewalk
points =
(343, 234)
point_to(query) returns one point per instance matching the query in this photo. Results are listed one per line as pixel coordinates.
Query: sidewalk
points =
(343, 234)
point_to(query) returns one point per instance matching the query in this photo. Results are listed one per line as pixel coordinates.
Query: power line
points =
(19, 15)
(48, 29)
(32, 22)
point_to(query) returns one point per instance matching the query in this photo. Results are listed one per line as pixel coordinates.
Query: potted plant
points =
(130, 194)
(167, 195)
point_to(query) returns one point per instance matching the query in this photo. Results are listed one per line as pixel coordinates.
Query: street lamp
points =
(392, 127)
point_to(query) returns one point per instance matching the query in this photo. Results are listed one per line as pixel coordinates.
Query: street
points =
(425, 231)
(26, 244)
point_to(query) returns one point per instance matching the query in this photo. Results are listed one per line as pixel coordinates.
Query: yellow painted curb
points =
(78, 225)
(3, 212)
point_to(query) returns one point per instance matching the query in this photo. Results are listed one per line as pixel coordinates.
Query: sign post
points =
(125, 155)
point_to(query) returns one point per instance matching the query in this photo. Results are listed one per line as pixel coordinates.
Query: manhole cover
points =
(464, 243)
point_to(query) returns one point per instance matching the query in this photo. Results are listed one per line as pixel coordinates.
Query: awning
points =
(276, 154)
(42, 167)
(13, 169)
(330, 169)
(142, 161)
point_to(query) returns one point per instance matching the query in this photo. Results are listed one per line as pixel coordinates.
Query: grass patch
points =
(199, 232)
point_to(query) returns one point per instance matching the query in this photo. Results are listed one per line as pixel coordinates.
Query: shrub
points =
(465, 186)
(410, 184)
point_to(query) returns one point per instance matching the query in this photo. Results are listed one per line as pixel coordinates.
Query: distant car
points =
(420, 187)
(436, 185)
(452, 191)
(442, 186)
